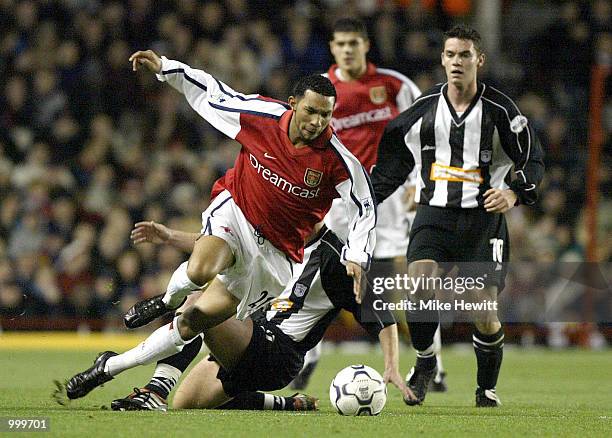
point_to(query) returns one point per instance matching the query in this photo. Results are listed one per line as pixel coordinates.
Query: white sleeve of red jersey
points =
(358, 197)
(408, 93)
(215, 101)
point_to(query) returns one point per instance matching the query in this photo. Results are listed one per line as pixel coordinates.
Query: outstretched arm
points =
(215, 101)
(152, 232)
(389, 343)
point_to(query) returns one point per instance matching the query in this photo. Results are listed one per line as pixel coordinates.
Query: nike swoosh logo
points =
(266, 155)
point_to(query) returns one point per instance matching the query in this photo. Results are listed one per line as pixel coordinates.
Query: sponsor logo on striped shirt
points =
(440, 172)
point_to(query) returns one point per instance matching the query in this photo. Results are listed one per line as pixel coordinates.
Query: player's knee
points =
(191, 323)
(201, 270)
(489, 326)
(190, 301)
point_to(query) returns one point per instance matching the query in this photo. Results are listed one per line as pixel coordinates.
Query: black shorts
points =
(270, 362)
(474, 240)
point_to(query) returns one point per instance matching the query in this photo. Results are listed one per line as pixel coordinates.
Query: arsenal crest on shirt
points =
(312, 177)
(378, 94)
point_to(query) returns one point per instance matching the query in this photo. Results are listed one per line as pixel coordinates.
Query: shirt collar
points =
(333, 76)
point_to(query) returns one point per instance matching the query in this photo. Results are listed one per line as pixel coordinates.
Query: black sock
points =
(245, 400)
(257, 401)
(425, 363)
(162, 384)
(489, 354)
(422, 325)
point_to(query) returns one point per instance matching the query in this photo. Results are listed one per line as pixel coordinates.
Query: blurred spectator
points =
(303, 51)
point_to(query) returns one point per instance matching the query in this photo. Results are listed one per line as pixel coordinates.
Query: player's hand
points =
(499, 201)
(146, 58)
(355, 271)
(408, 198)
(393, 376)
(150, 232)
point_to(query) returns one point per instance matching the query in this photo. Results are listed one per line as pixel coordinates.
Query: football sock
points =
(313, 355)
(179, 287)
(164, 379)
(259, 401)
(163, 342)
(426, 359)
(437, 347)
(168, 371)
(422, 325)
(489, 354)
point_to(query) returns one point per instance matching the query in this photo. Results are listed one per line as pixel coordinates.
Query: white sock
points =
(162, 343)
(165, 378)
(313, 355)
(437, 345)
(166, 371)
(268, 402)
(179, 287)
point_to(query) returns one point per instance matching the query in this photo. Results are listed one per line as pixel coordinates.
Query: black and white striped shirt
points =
(319, 290)
(458, 157)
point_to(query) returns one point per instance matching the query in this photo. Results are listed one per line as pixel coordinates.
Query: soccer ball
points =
(358, 390)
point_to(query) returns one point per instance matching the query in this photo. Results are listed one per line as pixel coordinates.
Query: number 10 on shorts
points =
(498, 249)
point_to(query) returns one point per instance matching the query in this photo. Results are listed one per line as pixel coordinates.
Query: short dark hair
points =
(317, 83)
(464, 32)
(350, 25)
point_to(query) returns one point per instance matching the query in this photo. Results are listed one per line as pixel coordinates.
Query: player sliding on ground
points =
(289, 169)
(309, 303)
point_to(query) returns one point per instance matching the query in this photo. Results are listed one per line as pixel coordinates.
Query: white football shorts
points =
(260, 271)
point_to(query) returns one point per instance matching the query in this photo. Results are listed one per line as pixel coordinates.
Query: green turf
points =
(545, 393)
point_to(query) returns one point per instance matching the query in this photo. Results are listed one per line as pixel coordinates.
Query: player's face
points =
(349, 50)
(312, 115)
(461, 61)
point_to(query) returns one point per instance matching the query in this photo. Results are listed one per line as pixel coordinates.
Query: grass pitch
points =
(544, 393)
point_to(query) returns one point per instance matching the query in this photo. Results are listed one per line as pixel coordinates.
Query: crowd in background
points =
(88, 147)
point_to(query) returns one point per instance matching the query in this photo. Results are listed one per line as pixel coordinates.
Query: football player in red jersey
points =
(289, 169)
(368, 97)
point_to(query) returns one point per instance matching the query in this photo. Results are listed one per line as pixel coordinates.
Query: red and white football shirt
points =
(365, 106)
(282, 191)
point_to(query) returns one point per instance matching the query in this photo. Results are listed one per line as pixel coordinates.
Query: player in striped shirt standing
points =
(368, 97)
(462, 139)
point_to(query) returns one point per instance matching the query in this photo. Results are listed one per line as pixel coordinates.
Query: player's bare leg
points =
(422, 325)
(200, 389)
(154, 395)
(210, 256)
(227, 341)
(488, 340)
(196, 387)
(214, 306)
